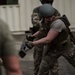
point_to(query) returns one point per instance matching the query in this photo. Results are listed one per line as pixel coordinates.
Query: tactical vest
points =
(67, 23)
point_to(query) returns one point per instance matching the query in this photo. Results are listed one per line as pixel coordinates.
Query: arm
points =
(11, 64)
(54, 31)
(48, 39)
(9, 52)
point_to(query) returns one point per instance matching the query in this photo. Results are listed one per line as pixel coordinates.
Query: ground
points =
(27, 63)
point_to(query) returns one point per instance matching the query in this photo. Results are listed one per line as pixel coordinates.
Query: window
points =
(8, 2)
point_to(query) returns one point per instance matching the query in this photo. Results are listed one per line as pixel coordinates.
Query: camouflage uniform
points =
(38, 50)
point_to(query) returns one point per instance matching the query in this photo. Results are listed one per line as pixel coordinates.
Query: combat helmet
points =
(47, 1)
(46, 10)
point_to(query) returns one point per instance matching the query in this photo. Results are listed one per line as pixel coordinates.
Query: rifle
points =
(23, 49)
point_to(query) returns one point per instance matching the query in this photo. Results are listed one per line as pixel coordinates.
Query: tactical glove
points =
(29, 44)
(30, 37)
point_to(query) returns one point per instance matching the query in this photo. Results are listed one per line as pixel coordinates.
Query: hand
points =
(29, 44)
(30, 37)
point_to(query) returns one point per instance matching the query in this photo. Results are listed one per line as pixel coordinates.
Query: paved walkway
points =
(27, 65)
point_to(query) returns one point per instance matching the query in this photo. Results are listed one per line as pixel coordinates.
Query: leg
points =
(37, 55)
(70, 54)
(38, 50)
(44, 68)
(55, 68)
(47, 62)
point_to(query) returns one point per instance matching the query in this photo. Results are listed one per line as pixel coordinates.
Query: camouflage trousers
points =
(67, 50)
(38, 55)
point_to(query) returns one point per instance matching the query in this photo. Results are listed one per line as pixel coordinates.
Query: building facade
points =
(17, 13)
